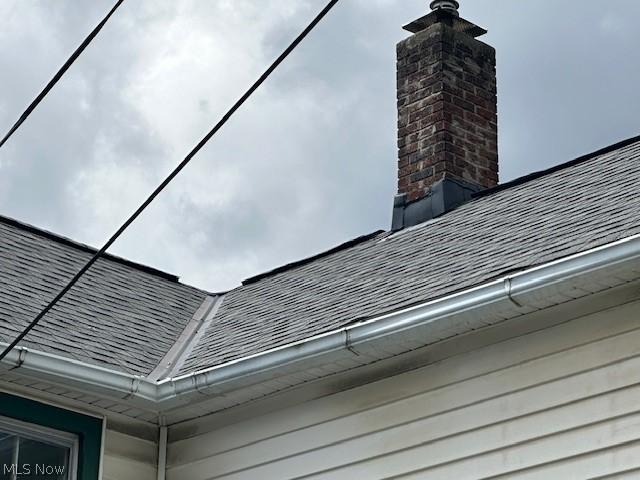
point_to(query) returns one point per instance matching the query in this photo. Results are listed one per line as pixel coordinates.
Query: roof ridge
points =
(87, 248)
(288, 266)
(541, 173)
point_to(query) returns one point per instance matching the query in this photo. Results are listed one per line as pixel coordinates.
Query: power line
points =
(173, 174)
(59, 74)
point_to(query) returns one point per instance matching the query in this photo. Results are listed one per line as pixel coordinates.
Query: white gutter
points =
(513, 290)
(89, 377)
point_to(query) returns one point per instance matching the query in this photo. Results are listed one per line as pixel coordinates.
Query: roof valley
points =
(174, 359)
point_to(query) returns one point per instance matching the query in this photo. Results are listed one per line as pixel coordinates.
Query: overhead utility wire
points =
(173, 174)
(59, 74)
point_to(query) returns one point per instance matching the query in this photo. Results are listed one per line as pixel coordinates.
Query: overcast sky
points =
(310, 161)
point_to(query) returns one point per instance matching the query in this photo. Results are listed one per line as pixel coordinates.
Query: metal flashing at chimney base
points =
(444, 196)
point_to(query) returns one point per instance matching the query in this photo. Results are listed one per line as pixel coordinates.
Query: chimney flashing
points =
(444, 196)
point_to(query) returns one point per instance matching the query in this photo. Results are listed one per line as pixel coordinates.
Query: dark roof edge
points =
(88, 249)
(562, 166)
(304, 261)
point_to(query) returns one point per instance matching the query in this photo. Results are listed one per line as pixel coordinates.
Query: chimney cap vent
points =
(448, 16)
(451, 5)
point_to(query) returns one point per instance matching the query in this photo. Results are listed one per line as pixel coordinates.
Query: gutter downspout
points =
(162, 451)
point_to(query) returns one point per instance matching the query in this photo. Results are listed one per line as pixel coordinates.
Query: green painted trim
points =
(88, 429)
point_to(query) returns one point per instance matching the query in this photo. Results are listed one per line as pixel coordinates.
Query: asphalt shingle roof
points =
(583, 205)
(127, 317)
(119, 315)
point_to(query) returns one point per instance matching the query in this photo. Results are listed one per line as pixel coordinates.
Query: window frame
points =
(40, 417)
(48, 435)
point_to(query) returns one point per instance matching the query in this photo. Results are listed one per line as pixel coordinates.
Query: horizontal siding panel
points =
(503, 410)
(429, 444)
(604, 438)
(116, 468)
(438, 415)
(128, 458)
(624, 461)
(631, 474)
(126, 446)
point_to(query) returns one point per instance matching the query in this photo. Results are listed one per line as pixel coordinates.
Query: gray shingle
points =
(563, 212)
(118, 315)
(126, 317)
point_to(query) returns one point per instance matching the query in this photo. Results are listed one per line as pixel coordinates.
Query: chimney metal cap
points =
(450, 5)
(445, 11)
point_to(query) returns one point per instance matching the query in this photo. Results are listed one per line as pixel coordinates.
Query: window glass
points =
(29, 452)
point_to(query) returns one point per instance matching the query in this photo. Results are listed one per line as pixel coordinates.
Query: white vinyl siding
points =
(128, 458)
(560, 403)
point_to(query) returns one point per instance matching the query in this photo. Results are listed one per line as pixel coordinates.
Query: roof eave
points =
(376, 339)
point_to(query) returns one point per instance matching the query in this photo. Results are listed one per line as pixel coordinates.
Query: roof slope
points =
(119, 315)
(127, 317)
(564, 211)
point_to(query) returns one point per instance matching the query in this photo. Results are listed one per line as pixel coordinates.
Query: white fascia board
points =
(511, 290)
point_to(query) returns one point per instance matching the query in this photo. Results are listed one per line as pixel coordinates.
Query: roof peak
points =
(86, 248)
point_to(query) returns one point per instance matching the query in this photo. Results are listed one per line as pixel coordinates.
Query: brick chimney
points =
(447, 115)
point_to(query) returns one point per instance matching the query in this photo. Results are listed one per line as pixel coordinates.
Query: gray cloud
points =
(310, 161)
